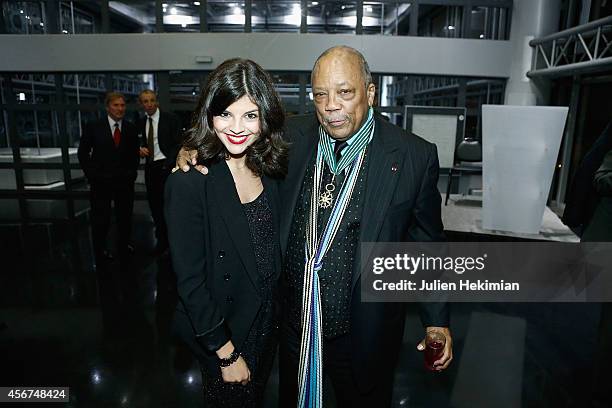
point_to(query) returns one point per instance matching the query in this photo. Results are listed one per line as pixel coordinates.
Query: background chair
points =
(468, 159)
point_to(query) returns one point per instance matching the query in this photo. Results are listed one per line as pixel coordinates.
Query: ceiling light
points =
(22, 97)
(451, 27)
(315, 3)
(173, 10)
(196, 3)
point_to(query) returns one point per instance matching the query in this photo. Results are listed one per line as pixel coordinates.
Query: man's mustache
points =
(335, 118)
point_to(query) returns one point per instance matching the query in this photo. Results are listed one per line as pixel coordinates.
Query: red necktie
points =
(117, 135)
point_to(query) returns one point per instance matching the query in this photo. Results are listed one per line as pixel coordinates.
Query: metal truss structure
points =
(84, 82)
(583, 49)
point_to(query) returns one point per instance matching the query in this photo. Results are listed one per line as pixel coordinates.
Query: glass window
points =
(185, 86)
(84, 88)
(10, 206)
(332, 17)
(81, 206)
(86, 92)
(309, 108)
(276, 16)
(47, 209)
(288, 87)
(490, 23)
(37, 128)
(181, 16)
(440, 21)
(24, 17)
(131, 16)
(75, 19)
(185, 118)
(75, 120)
(130, 84)
(34, 88)
(386, 18)
(225, 15)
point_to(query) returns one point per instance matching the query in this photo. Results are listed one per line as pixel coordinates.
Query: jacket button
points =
(227, 276)
(221, 254)
(229, 299)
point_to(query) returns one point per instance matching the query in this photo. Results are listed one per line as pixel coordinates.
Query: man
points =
(108, 154)
(582, 199)
(160, 138)
(379, 182)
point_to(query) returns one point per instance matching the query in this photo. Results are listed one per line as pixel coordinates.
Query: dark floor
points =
(53, 306)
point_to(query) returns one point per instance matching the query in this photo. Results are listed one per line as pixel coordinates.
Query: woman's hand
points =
(238, 372)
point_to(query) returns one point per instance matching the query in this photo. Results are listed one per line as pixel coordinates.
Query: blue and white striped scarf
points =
(311, 351)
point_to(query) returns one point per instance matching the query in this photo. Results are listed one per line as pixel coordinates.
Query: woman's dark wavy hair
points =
(232, 80)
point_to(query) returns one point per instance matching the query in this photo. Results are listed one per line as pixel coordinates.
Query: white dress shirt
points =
(111, 123)
(157, 154)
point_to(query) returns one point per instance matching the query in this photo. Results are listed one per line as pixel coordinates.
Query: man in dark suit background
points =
(161, 136)
(109, 154)
(394, 199)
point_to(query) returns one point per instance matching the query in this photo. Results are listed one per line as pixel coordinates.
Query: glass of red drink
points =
(434, 348)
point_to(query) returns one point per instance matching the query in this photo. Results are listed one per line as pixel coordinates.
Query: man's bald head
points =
(352, 55)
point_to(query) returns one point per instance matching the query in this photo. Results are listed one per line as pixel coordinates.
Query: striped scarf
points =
(359, 141)
(311, 351)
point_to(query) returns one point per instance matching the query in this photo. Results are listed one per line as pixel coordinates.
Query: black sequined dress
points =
(259, 348)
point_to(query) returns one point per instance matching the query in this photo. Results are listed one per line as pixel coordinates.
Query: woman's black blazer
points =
(213, 258)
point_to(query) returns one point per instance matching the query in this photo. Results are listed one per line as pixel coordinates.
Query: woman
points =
(223, 233)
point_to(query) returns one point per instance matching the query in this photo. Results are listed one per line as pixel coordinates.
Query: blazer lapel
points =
(384, 157)
(301, 152)
(161, 129)
(108, 136)
(143, 131)
(233, 216)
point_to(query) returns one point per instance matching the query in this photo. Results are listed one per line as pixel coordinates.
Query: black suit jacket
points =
(101, 160)
(169, 134)
(402, 204)
(213, 259)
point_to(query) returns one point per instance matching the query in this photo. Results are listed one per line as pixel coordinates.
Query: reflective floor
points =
(105, 334)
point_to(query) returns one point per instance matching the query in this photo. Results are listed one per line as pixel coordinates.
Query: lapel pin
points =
(394, 167)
